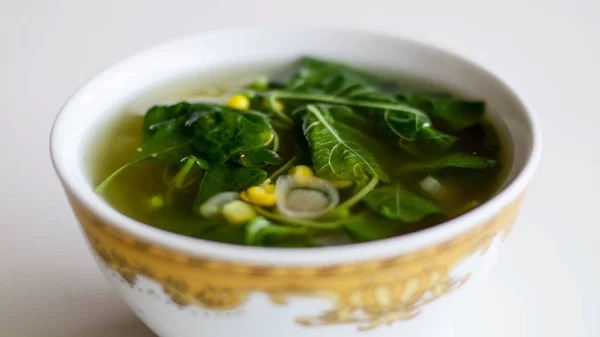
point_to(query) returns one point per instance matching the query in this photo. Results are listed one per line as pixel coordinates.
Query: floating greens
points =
(327, 155)
(398, 203)
(336, 149)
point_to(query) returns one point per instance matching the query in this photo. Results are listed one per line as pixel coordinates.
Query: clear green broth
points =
(117, 143)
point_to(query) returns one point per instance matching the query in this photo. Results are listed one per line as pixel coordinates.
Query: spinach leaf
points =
(349, 117)
(312, 71)
(244, 177)
(334, 79)
(370, 226)
(258, 157)
(336, 149)
(454, 114)
(161, 115)
(458, 160)
(215, 180)
(259, 228)
(396, 202)
(167, 145)
(326, 82)
(223, 132)
(210, 132)
(163, 129)
(225, 233)
(429, 138)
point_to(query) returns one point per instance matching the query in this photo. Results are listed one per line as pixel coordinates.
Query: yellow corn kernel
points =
(240, 102)
(238, 212)
(269, 188)
(259, 195)
(301, 171)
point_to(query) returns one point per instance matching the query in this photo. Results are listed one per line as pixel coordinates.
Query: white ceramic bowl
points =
(184, 287)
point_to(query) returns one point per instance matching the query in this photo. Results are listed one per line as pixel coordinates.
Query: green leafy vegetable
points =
(334, 79)
(314, 73)
(314, 224)
(214, 181)
(429, 138)
(370, 226)
(209, 132)
(244, 177)
(283, 168)
(260, 228)
(396, 202)
(458, 160)
(454, 114)
(349, 117)
(259, 157)
(223, 233)
(336, 151)
(328, 82)
(187, 175)
(224, 132)
(164, 137)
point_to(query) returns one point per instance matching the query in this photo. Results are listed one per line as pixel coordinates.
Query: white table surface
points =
(547, 282)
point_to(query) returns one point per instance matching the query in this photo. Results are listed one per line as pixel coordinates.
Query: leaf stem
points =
(361, 194)
(111, 177)
(283, 168)
(345, 101)
(298, 222)
(272, 103)
(180, 176)
(275, 139)
(140, 159)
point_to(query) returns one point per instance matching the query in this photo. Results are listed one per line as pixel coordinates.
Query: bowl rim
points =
(300, 256)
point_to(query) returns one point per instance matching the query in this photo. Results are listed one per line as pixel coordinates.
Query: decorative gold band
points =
(370, 293)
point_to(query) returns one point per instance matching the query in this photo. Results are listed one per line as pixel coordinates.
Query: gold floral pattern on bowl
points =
(368, 294)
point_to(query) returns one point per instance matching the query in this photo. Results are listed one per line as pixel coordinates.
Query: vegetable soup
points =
(326, 155)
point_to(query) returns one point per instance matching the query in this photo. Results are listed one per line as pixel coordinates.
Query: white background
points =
(547, 282)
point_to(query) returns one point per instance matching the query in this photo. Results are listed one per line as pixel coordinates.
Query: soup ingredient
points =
(396, 202)
(239, 101)
(329, 155)
(263, 195)
(213, 207)
(432, 186)
(336, 150)
(260, 229)
(302, 171)
(452, 113)
(261, 83)
(157, 202)
(237, 212)
(322, 81)
(305, 197)
(369, 226)
(459, 160)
